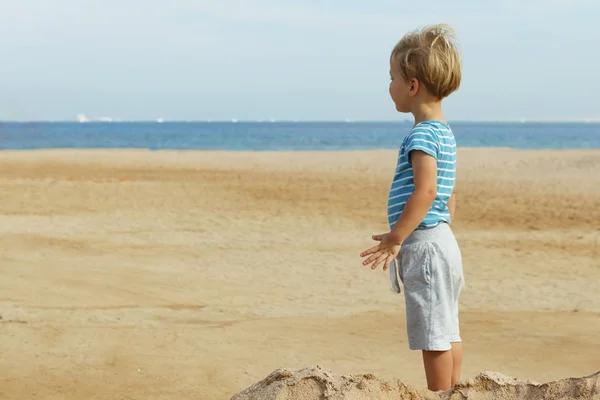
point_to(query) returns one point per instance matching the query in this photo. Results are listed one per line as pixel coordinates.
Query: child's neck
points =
(428, 111)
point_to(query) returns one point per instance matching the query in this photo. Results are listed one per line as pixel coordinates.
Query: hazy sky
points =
(305, 60)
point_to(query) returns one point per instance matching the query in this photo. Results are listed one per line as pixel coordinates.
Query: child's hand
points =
(385, 252)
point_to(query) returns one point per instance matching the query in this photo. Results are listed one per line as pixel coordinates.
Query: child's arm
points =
(452, 204)
(418, 204)
(424, 165)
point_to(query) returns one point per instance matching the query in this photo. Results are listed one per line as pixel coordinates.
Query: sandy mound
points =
(315, 383)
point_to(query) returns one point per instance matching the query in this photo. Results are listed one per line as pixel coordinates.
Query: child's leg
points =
(443, 368)
(457, 358)
(439, 366)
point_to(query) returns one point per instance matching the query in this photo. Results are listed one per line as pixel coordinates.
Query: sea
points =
(285, 136)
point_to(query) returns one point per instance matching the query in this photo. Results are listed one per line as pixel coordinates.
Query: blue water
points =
(285, 135)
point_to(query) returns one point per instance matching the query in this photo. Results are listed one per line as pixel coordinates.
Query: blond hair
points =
(431, 55)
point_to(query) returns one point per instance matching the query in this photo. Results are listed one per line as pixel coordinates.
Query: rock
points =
(316, 383)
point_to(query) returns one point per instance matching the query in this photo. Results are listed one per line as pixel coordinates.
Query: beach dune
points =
(194, 275)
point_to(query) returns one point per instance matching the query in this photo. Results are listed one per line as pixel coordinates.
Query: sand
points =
(316, 383)
(193, 275)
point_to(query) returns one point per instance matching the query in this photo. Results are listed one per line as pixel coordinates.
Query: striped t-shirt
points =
(436, 139)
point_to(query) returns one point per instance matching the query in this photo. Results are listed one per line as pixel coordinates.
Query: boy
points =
(425, 68)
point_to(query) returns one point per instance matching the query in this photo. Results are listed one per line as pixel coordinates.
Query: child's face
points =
(401, 91)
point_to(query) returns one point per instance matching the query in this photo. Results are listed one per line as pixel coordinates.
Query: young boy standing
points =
(425, 68)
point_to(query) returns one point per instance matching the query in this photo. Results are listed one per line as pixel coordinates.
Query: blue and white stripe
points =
(436, 139)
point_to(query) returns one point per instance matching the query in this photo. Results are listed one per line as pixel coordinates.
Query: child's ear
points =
(414, 86)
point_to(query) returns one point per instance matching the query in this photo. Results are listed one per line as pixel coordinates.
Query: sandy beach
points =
(191, 275)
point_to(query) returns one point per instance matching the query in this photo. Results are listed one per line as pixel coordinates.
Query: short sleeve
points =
(424, 140)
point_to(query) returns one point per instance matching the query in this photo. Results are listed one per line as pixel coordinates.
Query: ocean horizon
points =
(285, 135)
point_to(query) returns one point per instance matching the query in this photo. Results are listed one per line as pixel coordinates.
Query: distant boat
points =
(160, 120)
(82, 118)
(234, 120)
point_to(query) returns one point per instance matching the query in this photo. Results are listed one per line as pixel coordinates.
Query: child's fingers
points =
(372, 258)
(380, 259)
(387, 263)
(378, 237)
(369, 251)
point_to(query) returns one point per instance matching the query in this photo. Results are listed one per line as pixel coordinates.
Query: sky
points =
(289, 60)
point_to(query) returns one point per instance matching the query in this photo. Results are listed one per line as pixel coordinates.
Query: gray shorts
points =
(430, 268)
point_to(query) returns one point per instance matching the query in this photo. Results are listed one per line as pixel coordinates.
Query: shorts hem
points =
(440, 345)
